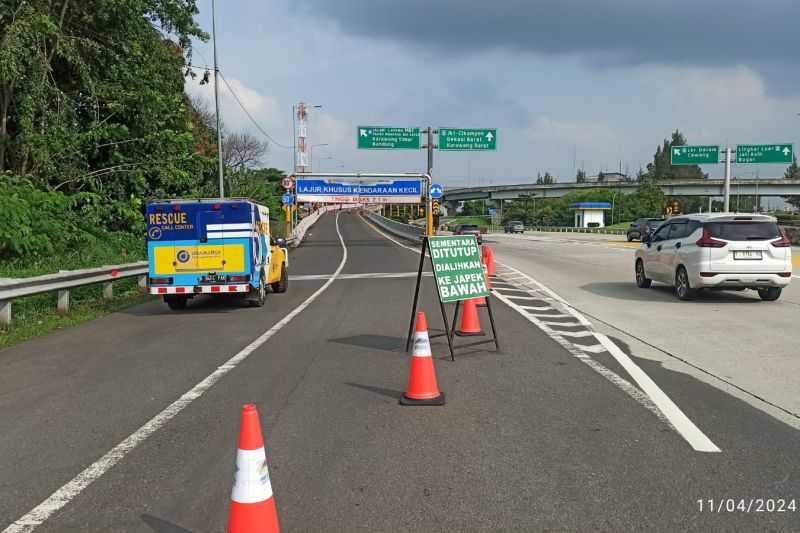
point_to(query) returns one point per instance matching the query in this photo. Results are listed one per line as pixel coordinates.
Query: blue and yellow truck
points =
(213, 246)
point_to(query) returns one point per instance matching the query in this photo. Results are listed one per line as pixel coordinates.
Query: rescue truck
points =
(215, 247)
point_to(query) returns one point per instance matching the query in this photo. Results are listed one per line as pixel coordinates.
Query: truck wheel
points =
(283, 284)
(260, 297)
(176, 303)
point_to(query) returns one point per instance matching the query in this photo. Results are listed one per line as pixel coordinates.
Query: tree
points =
(792, 173)
(580, 177)
(662, 168)
(91, 96)
(647, 201)
(243, 150)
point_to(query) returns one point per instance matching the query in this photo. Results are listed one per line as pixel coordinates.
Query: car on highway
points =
(514, 226)
(718, 251)
(469, 229)
(642, 227)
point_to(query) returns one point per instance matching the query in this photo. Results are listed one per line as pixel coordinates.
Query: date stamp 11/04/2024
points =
(748, 505)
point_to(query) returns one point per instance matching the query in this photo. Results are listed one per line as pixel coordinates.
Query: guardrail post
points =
(63, 301)
(108, 290)
(143, 282)
(5, 313)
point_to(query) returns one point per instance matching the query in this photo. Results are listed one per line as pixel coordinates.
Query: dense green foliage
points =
(94, 122)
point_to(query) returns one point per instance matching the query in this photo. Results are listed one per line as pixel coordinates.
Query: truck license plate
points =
(747, 254)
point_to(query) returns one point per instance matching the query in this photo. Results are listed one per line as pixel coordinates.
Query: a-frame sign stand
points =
(449, 330)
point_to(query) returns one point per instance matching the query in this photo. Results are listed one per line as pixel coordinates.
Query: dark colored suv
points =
(642, 227)
(514, 226)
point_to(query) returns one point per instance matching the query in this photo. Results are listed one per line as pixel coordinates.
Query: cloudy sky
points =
(567, 83)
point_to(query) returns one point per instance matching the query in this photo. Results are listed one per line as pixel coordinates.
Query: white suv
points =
(717, 251)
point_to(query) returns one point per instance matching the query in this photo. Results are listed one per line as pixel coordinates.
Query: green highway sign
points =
(467, 139)
(457, 268)
(387, 138)
(764, 153)
(695, 155)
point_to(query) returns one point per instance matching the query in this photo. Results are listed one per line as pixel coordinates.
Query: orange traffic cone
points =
(422, 387)
(488, 260)
(470, 325)
(252, 505)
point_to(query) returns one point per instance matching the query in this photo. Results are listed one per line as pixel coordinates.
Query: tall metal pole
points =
(429, 202)
(216, 101)
(727, 202)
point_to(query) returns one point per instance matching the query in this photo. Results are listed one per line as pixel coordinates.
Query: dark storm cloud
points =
(759, 33)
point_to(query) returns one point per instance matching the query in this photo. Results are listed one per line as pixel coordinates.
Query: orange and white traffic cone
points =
(252, 505)
(488, 260)
(470, 324)
(422, 386)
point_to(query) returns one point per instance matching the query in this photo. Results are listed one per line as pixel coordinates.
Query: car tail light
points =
(160, 281)
(784, 241)
(706, 241)
(239, 279)
(785, 274)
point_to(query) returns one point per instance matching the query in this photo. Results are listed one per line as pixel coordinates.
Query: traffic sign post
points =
(467, 139)
(287, 199)
(436, 191)
(459, 275)
(764, 153)
(287, 182)
(694, 155)
(387, 138)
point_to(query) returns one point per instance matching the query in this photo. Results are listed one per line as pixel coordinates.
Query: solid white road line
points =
(696, 438)
(61, 497)
(594, 348)
(682, 424)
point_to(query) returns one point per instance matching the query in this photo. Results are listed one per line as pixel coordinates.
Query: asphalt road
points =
(533, 438)
(733, 339)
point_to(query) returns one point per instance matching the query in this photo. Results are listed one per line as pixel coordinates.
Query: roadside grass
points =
(35, 316)
(478, 221)
(108, 249)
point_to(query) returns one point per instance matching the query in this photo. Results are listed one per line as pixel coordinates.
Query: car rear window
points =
(744, 231)
(469, 227)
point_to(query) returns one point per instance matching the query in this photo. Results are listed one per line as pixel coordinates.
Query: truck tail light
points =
(239, 279)
(160, 281)
(706, 241)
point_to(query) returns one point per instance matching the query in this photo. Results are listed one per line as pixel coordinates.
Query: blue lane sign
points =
(407, 191)
(287, 199)
(436, 190)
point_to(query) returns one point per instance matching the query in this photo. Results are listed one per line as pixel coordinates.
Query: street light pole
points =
(311, 155)
(216, 101)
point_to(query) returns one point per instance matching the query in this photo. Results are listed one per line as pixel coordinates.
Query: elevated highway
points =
(707, 187)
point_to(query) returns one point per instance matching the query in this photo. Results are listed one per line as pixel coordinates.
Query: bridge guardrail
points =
(398, 229)
(11, 289)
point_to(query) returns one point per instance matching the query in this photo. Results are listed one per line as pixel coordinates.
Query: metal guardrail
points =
(398, 229)
(558, 229)
(11, 289)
